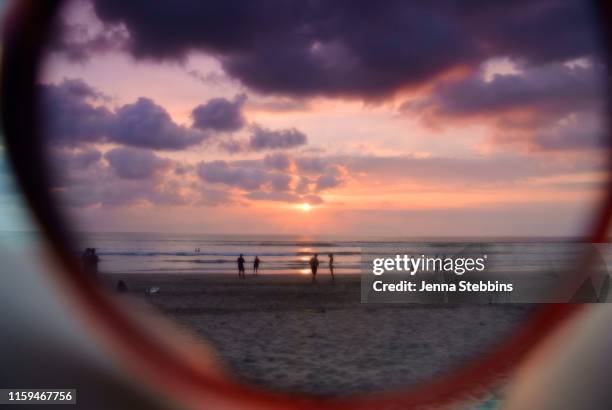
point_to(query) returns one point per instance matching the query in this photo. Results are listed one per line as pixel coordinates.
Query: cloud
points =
(220, 114)
(74, 115)
(233, 145)
(148, 125)
(575, 133)
(128, 177)
(133, 163)
(273, 178)
(317, 51)
(311, 164)
(278, 104)
(331, 179)
(101, 186)
(79, 42)
(215, 197)
(212, 78)
(303, 186)
(220, 172)
(534, 107)
(75, 159)
(70, 114)
(246, 175)
(312, 199)
(550, 89)
(273, 196)
(280, 182)
(262, 139)
(278, 161)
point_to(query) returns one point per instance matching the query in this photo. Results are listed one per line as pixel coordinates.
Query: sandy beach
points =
(286, 333)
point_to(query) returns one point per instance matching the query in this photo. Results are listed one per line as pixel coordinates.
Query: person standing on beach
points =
(85, 258)
(90, 261)
(240, 261)
(331, 266)
(94, 259)
(314, 265)
(256, 265)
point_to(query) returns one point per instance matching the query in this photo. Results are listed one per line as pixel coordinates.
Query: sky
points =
(412, 119)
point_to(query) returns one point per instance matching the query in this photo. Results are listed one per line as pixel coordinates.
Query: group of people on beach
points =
(90, 261)
(313, 262)
(314, 266)
(241, 261)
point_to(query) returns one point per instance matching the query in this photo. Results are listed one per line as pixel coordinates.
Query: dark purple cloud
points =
(536, 107)
(264, 139)
(220, 114)
(133, 163)
(307, 48)
(127, 177)
(78, 159)
(280, 182)
(70, 114)
(303, 186)
(311, 164)
(220, 172)
(579, 132)
(74, 116)
(148, 125)
(233, 145)
(101, 185)
(183, 169)
(245, 175)
(273, 196)
(119, 193)
(330, 179)
(278, 161)
(550, 89)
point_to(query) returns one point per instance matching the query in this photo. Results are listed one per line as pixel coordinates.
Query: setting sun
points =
(305, 207)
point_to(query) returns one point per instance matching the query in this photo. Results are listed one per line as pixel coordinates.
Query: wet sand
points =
(288, 334)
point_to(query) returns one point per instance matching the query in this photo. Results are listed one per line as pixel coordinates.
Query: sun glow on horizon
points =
(305, 207)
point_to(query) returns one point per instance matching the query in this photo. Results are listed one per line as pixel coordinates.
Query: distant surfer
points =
(331, 266)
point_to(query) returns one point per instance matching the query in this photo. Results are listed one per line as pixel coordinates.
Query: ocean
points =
(284, 254)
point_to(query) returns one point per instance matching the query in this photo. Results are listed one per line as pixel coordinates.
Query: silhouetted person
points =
(90, 261)
(331, 266)
(240, 261)
(314, 265)
(94, 260)
(84, 258)
(121, 286)
(256, 265)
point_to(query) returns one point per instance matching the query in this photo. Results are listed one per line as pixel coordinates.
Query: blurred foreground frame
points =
(26, 30)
